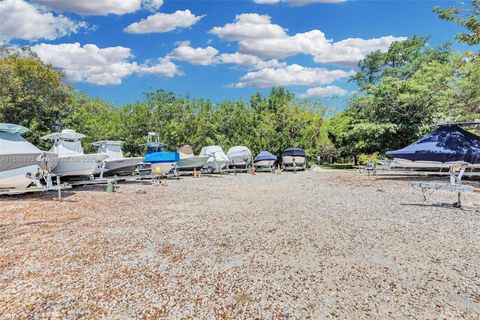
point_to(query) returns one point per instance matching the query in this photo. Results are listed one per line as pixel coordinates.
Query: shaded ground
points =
(306, 245)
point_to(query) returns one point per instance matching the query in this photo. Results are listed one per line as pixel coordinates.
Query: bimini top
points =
(447, 144)
(67, 134)
(12, 128)
(264, 156)
(293, 152)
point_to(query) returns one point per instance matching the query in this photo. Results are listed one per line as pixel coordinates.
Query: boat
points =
(72, 161)
(445, 146)
(21, 163)
(189, 161)
(156, 160)
(217, 159)
(293, 159)
(240, 157)
(116, 163)
(264, 161)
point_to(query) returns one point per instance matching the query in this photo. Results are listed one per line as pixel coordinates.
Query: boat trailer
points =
(455, 184)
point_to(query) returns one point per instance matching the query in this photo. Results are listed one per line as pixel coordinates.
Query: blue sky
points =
(215, 49)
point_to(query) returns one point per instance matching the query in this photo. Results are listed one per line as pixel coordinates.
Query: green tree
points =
(32, 94)
(466, 17)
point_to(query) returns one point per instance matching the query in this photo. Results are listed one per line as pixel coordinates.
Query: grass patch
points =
(342, 166)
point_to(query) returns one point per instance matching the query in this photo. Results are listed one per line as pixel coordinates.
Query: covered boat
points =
(72, 161)
(116, 163)
(294, 159)
(240, 157)
(443, 147)
(188, 160)
(20, 161)
(217, 159)
(156, 160)
(264, 161)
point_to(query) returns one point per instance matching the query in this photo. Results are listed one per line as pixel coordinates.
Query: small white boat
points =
(116, 163)
(21, 163)
(294, 159)
(240, 157)
(72, 161)
(217, 159)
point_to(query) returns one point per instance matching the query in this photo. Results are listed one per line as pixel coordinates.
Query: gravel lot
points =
(306, 245)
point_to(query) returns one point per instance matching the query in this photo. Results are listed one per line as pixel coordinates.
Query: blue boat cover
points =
(293, 152)
(161, 156)
(445, 144)
(265, 155)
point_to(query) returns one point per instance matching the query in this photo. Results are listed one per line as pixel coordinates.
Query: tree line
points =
(34, 95)
(401, 94)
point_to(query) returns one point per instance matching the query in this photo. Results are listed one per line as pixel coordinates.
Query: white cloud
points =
(164, 67)
(249, 26)
(101, 66)
(201, 56)
(297, 2)
(164, 22)
(328, 91)
(22, 20)
(101, 7)
(256, 35)
(291, 75)
(350, 51)
(310, 42)
(249, 60)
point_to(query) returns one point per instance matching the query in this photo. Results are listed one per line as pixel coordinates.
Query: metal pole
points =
(59, 189)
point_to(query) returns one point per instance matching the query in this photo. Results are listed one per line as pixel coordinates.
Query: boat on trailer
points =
(240, 157)
(189, 161)
(217, 159)
(294, 159)
(446, 146)
(156, 160)
(73, 162)
(116, 163)
(264, 161)
(21, 163)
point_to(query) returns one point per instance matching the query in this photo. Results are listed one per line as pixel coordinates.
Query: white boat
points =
(188, 160)
(116, 163)
(21, 163)
(294, 159)
(217, 159)
(72, 162)
(240, 157)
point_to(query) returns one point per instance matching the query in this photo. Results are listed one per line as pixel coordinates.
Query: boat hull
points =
(195, 162)
(78, 165)
(162, 167)
(403, 163)
(293, 162)
(264, 165)
(213, 165)
(47, 160)
(119, 167)
(17, 178)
